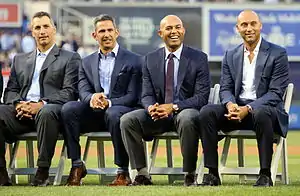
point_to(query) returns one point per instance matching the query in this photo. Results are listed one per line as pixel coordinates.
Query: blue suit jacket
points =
(193, 82)
(125, 84)
(271, 79)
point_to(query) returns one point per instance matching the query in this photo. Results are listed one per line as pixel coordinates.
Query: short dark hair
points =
(104, 17)
(42, 14)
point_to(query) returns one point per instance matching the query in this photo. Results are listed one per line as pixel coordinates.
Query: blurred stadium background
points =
(209, 25)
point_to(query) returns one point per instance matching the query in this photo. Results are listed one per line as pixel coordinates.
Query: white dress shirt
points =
(248, 87)
(34, 93)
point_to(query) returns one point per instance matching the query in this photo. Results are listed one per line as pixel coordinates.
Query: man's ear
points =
(159, 32)
(94, 35)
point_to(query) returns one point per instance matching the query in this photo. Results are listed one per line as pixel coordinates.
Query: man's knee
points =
(70, 108)
(263, 114)
(49, 111)
(113, 113)
(209, 110)
(187, 116)
(130, 119)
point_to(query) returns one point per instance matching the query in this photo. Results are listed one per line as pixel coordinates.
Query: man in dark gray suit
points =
(40, 83)
(109, 86)
(253, 80)
(176, 84)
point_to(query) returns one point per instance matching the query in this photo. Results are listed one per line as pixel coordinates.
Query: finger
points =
(237, 118)
(164, 116)
(27, 115)
(19, 114)
(161, 110)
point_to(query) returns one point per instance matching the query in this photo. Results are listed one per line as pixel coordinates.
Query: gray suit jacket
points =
(58, 77)
(271, 79)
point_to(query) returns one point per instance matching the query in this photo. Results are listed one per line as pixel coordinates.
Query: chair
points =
(105, 173)
(252, 173)
(173, 172)
(30, 170)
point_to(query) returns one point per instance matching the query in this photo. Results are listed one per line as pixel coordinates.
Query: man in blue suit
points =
(176, 84)
(109, 86)
(253, 80)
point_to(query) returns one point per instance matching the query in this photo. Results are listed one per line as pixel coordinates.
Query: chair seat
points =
(98, 135)
(33, 136)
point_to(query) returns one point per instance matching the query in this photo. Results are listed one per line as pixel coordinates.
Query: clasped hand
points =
(27, 109)
(162, 111)
(236, 113)
(99, 100)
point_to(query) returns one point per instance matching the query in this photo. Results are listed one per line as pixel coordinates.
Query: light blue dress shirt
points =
(106, 67)
(176, 59)
(34, 93)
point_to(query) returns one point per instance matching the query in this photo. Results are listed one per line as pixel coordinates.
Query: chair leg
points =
(153, 154)
(200, 170)
(61, 166)
(224, 155)
(30, 158)
(171, 177)
(101, 160)
(12, 148)
(241, 161)
(275, 161)
(86, 149)
(284, 164)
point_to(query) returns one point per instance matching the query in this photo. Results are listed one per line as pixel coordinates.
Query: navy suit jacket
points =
(271, 79)
(125, 84)
(193, 82)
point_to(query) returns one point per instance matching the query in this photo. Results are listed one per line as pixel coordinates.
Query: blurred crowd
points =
(14, 41)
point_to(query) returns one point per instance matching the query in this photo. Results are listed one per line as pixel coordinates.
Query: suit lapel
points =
(119, 61)
(160, 71)
(183, 64)
(51, 57)
(95, 71)
(261, 62)
(30, 66)
(238, 59)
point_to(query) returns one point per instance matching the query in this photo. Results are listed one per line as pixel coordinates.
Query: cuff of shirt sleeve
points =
(44, 102)
(91, 105)
(109, 103)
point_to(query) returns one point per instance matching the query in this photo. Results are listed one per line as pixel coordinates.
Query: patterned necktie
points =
(169, 80)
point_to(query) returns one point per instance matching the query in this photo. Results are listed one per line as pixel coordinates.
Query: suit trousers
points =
(138, 125)
(79, 118)
(262, 121)
(46, 123)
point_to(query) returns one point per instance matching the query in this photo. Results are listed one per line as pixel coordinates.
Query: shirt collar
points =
(45, 53)
(114, 51)
(256, 49)
(177, 53)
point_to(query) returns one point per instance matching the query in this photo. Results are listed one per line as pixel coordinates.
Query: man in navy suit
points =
(176, 84)
(253, 80)
(109, 86)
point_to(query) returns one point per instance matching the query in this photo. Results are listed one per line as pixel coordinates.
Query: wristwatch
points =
(249, 108)
(175, 108)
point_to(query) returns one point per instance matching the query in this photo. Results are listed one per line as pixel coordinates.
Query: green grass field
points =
(230, 186)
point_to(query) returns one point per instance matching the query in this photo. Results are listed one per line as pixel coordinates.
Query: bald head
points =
(172, 32)
(249, 27)
(246, 14)
(170, 19)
